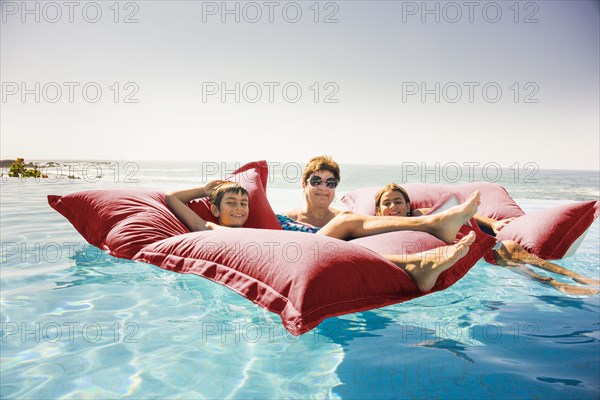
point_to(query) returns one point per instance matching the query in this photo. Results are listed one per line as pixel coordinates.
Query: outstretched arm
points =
(177, 203)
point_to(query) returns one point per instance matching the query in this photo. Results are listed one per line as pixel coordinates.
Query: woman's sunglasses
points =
(316, 181)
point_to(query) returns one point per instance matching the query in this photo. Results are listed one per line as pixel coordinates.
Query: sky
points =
(368, 82)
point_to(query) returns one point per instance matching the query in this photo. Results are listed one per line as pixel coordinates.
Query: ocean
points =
(77, 323)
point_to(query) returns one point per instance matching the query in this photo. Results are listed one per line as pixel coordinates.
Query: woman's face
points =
(393, 204)
(319, 188)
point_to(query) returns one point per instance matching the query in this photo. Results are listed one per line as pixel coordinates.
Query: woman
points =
(393, 200)
(319, 181)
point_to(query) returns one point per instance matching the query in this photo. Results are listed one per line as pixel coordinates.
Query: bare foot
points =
(586, 281)
(572, 289)
(426, 270)
(447, 224)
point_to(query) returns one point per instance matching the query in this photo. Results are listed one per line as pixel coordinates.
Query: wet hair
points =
(391, 187)
(226, 187)
(321, 163)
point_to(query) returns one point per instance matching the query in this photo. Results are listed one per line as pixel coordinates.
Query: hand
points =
(209, 187)
(212, 226)
(498, 225)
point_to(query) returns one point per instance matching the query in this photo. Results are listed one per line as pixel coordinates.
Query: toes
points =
(468, 239)
(471, 237)
(476, 194)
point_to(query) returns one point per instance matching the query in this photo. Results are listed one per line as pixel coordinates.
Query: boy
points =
(228, 203)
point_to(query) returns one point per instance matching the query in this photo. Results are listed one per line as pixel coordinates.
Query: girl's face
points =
(393, 204)
(319, 188)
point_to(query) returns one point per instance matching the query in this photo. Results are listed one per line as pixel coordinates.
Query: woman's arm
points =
(177, 203)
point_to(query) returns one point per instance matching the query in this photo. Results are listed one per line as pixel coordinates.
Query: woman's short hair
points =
(321, 163)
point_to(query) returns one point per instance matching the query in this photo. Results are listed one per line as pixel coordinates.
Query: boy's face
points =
(233, 211)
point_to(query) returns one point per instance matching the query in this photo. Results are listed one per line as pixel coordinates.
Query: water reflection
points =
(566, 382)
(566, 302)
(94, 266)
(90, 265)
(455, 348)
(360, 325)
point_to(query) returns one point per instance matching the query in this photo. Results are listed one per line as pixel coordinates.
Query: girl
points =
(393, 200)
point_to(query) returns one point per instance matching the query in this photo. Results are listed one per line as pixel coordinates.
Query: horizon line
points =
(462, 164)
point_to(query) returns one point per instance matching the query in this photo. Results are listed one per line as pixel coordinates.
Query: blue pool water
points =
(77, 323)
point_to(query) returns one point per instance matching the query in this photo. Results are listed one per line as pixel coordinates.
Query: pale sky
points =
(514, 81)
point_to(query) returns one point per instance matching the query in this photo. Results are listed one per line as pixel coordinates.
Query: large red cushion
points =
(303, 277)
(253, 176)
(548, 234)
(495, 201)
(119, 221)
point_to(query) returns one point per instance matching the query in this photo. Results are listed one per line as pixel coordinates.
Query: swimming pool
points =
(77, 323)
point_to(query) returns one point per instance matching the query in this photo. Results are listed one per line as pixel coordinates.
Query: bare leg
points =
(561, 287)
(444, 225)
(425, 267)
(512, 251)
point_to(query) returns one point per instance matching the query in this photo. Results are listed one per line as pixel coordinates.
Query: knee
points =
(512, 246)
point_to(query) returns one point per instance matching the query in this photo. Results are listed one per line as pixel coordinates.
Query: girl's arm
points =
(177, 203)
